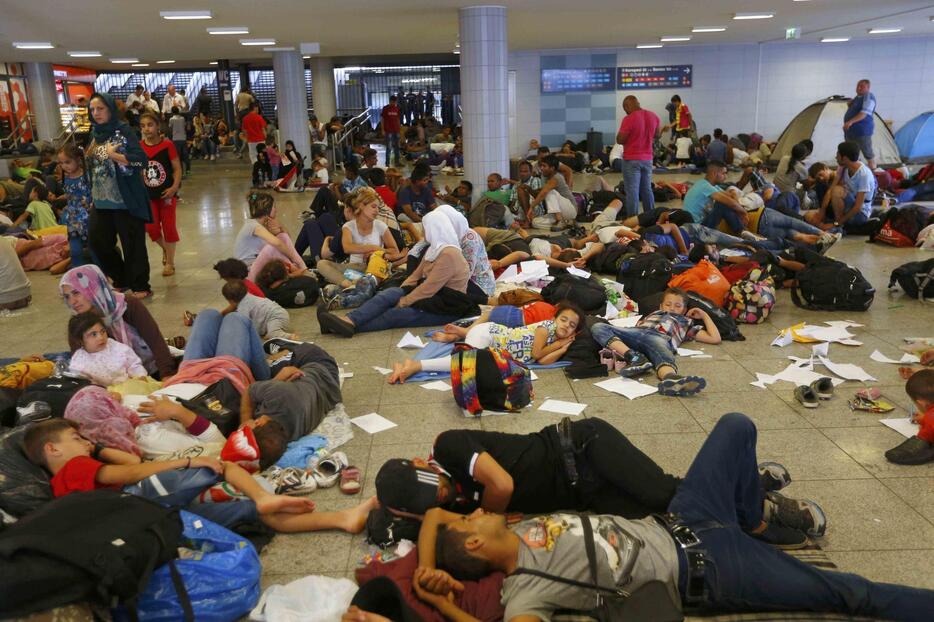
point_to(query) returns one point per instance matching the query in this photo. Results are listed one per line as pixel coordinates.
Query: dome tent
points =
(822, 122)
(915, 139)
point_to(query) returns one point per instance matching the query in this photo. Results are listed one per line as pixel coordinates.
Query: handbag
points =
(651, 602)
(378, 265)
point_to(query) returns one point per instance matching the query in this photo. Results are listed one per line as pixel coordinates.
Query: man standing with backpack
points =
(859, 123)
(637, 133)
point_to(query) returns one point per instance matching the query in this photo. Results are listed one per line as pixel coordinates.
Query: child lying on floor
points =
(96, 356)
(544, 343)
(269, 319)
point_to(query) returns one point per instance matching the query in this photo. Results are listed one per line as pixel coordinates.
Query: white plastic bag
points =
(309, 599)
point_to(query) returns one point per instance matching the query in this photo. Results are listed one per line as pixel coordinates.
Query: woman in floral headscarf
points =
(127, 319)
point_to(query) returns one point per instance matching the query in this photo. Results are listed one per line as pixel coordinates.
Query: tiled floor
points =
(881, 516)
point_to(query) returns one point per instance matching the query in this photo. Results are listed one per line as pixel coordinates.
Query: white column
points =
(291, 105)
(484, 92)
(323, 97)
(43, 100)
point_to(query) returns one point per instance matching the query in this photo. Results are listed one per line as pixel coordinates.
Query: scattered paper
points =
(382, 370)
(846, 370)
(564, 408)
(689, 352)
(578, 272)
(372, 423)
(821, 349)
(436, 385)
(903, 425)
(627, 387)
(183, 390)
(626, 322)
(533, 375)
(842, 323)
(906, 358)
(508, 273)
(534, 266)
(611, 312)
(410, 341)
(782, 340)
(346, 374)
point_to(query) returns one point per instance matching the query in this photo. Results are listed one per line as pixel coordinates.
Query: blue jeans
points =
(210, 147)
(777, 226)
(80, 252)
(651, 343)
(233, 334)
(392, 146)
(181, 488)
(381, 313)
(721, 211)
(706, 235)
(637, 178)
(181, 146)
(720, 498)
(849, 204)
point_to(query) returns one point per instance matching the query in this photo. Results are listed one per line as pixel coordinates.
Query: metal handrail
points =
(350, 128)
(21, 126)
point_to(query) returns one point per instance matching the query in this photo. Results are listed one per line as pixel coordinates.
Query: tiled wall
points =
(740, 88)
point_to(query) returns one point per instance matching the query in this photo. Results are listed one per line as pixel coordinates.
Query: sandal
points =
(188, 318)
(176, 342)
(168, 270)
(350, 480)
(327, 470)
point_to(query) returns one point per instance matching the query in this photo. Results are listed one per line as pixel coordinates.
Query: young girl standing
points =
(77, 188)
(162, 177)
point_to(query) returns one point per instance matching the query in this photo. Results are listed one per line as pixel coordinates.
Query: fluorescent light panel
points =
(649, 46)
(286, 48)
(126, 61)
(140, 65)
(674, 39)
(883, 31)
(708, 29)
(213, 62)
(164, 62)
(84, 54)
(229, 30)
(833, 39)
(33, 45)
(257, 41)
(186, 14)
(753, 15)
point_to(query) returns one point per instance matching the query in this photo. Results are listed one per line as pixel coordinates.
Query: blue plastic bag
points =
(222, 577)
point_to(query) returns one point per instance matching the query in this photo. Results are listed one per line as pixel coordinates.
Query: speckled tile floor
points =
(881, 516)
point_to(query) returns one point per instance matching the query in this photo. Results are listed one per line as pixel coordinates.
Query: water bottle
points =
(60, 367)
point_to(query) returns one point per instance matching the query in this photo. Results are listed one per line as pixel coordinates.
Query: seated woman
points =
(262, 238)
(544, 343)
(126, 318)
(482, 281)
(443, 269)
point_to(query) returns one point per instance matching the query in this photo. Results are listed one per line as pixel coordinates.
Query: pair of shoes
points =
(274, 345)
(801, 514)
(773, 476)
(168, 270)
(674, 385)
(914, 450)
(810, 395)
(636, 364)
(291, 481)
(329, 323)
(326, 468)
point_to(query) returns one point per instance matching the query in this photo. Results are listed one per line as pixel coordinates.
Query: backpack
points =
(608, 260)
(486, 213)
(489, 379)
(916, 278)
(751, 299)
(704, 278)
(901, 226)
(383, 528)
(54, 392)
(734, 272)
(100, 546)
(825, 284)
(588, 294)
(644, 275)
(24, 486)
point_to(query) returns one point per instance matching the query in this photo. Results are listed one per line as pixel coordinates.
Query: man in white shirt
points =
(173, 99)
(149, 104)
(135, 96)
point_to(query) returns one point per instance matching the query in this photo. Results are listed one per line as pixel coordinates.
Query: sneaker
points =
(823, 388)
(33, 412)
(674, 385)
(914, 450)
(329, 323)
(636, 364)
(330, 294)
(291, 481)
(213, 157)
(801, 514)
(749, 236)
(806, 396)
(827, 240)
(773, 476)
(274, 345)
(781, 537)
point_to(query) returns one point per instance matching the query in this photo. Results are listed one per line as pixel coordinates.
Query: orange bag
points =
(704, 279)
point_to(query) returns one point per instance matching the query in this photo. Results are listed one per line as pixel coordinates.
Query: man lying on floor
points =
(700, 555)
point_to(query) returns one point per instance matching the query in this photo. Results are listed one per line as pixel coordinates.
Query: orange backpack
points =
(706, 280)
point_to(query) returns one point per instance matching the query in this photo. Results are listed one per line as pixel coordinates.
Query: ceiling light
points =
(833, 39)
(883, 31)
(33, 45)
(186, 14)
(257, 41)
(164, 62)
(84, 54)
(649, 46)
(228, 30)
(140, 65)
(753, 15)
(213, 62)
(708, 29)
(674, 39)
(289, 48)
(306, 57)
(124, 60)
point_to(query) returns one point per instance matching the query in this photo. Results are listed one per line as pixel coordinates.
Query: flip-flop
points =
(188, 318)
(869, 393)
(681, 386)
(823, 387)
(350, 480)
(806, 396)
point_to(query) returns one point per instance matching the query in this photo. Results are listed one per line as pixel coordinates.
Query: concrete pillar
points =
(291, 105)
(244, 70)
(323, 97)
(225, 93)
(484, 92)
(43, 100)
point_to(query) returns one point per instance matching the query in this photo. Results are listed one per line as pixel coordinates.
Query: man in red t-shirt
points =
(637, 134)
(391, 119)
(254, 125)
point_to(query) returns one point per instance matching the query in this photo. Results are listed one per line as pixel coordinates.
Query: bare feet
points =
(402, 371)
(354, 519)
(271, 504)
(907, 372)
(443, 337)
(355, 614)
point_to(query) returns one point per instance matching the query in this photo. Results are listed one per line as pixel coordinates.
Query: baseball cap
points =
(403, 486)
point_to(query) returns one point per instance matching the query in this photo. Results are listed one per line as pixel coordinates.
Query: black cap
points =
(403, 486)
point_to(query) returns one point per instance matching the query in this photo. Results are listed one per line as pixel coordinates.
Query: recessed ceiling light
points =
(84, 54)
(229, 30)
(164, 62)
(306, 57)
(708, 29)
(186, 14)
(286, 48)
(883, 31)
(140, 65)
(833, 39)
(649, 46)
(753, 15)
(257, 41)
(126, 61)
(674, 39)
(33, 45)
(213, 62)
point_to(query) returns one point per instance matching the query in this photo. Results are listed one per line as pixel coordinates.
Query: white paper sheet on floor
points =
(627, 387)
(313, 598)
(373, 423)
(436, 385)
(562, 407)
(906, 358)
(903, 425)
(411, 341)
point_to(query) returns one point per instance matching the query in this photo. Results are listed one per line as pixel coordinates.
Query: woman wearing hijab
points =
(126, 318)
(482, 282)
(121, 203)
(441, 276)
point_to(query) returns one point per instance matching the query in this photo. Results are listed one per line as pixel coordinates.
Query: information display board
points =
(575, 80)
(654, 77)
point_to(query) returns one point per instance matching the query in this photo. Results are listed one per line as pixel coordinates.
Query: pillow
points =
(23, 485)
(481, 599)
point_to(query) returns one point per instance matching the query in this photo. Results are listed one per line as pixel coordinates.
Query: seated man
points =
(702, 552)
(460, 197)
(556, 196)
(850, 195)
(523, 189)
(723, 205)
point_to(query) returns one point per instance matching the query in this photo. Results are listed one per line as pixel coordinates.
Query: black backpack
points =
(916, 278)
(23, 485)
(383, 528)
(826, 284)
(644, 275)
(588, 294)
(99, 546)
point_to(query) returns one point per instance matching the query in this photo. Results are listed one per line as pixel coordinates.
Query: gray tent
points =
(822, 122)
